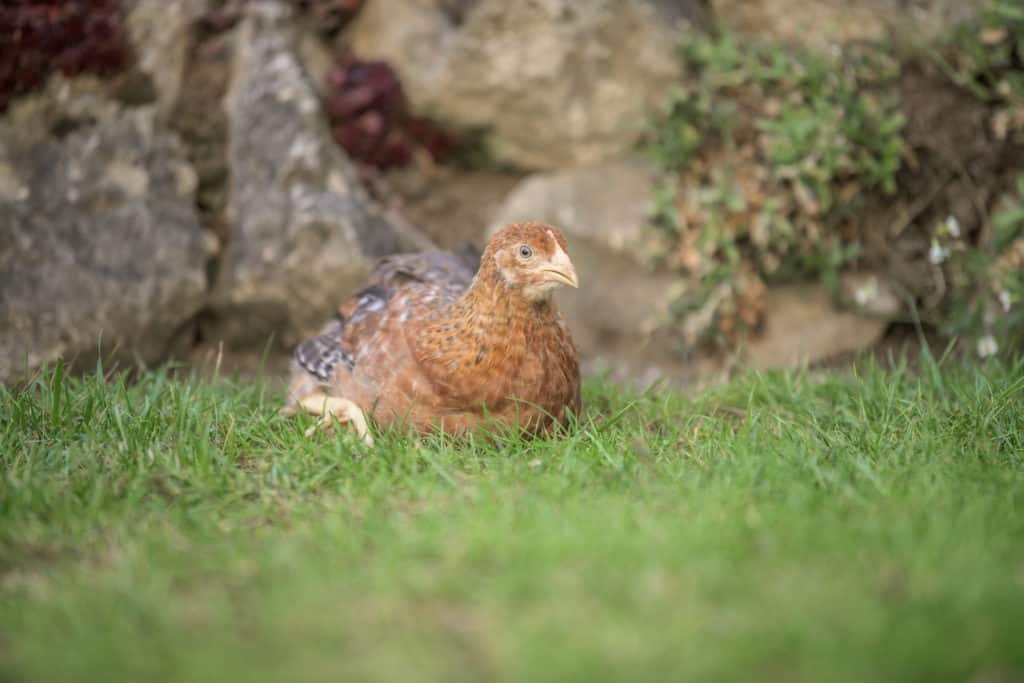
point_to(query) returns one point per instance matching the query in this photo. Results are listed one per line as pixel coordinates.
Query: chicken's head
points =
(531, 258)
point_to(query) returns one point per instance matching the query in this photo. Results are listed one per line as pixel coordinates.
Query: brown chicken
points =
(426, 345)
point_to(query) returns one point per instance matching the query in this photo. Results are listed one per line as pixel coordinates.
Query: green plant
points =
(682, 127)
(170, 529)
(986, 57)
(774, 152)
(822, 120)
(990, 51)
(987, 302)
(770, 142)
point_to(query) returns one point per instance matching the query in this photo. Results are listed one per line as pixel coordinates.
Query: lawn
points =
(784, 527)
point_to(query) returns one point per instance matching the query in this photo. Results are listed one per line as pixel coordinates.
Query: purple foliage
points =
(38, 37)
(370, 119)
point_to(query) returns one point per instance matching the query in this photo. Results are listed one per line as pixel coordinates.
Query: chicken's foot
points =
(331, 408)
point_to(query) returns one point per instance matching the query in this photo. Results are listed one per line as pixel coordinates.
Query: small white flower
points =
(938, 253)
(1004, 300)
(866, 293)
(953, 226)
(987, 346)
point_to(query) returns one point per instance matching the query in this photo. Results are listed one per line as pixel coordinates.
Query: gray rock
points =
(617, 312)
(559, 83)
(98, 238)
(60, 106)
(160, 33)
(803, 325)
(302, 231)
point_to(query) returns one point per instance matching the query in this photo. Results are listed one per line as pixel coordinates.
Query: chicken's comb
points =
(558, 243)
(553, 238)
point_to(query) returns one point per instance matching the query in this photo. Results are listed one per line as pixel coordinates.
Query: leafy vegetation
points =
(986, 58)
(773, 141)
(785, 526)
(823, 119)
(370, 117)
(39, 37)
(987, 281)
(771, 154)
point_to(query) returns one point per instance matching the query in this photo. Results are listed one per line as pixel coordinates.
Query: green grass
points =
(785, 527)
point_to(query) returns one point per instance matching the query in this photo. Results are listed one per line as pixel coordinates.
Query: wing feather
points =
(435, 278)
(441, 268)
(321, 354)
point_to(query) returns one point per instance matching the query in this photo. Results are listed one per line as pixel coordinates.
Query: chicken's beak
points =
(560, 269)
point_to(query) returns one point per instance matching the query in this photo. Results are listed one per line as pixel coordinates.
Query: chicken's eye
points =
(525, 251)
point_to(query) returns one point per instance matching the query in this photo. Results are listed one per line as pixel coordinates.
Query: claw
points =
(341, 409)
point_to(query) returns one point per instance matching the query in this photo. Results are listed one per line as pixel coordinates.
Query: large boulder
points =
(803, 325)
(99, 241)
(558, 83)
(302, 230)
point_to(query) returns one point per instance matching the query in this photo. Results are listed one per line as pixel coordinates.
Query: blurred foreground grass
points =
(783, 527)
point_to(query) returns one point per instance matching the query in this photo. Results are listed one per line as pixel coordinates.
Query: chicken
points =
(426, 345)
